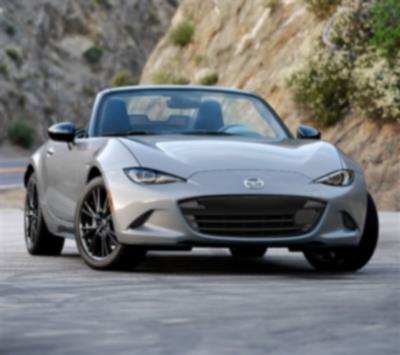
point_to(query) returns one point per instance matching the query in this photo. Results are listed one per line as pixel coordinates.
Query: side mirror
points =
(62, 132)
(305, 132)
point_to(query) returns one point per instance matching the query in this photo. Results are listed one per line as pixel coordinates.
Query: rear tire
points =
(95, 236)
(248, 252)
(352, 258)
(38, 239)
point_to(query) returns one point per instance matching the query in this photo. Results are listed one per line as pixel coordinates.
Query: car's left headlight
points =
(150, 176)
(342, 177)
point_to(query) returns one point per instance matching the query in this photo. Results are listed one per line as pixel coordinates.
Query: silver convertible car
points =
(177, 167)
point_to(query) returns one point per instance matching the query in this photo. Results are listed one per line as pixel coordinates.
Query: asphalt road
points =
(12, 172)
(202, 302)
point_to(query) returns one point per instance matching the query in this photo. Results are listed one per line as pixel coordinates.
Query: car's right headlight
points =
(150, 176)
(342, 177)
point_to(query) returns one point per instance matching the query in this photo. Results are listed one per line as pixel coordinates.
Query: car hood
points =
(184, 156)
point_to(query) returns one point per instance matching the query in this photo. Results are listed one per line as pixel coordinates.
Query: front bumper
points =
(151, 216)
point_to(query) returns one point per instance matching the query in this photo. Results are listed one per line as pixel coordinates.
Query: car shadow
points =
(220, 265)
(192, 264)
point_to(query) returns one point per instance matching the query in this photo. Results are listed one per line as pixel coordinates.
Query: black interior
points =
(115, 119)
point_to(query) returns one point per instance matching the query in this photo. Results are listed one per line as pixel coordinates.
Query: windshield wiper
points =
(129, 133)
(207, 133)
(143, 133)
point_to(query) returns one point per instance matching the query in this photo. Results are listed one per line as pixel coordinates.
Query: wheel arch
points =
(28, 173)
(94, 172)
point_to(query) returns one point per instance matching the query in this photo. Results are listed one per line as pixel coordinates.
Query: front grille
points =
(252, 216)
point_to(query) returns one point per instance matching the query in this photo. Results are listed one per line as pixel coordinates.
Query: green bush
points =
(199, 59)
(323, 8)
(104, 3)
(364, 24)
(180, 80)
(270, 4)
(386, 26)
(13, 54)
(376, 87)
(362, 72)
(182, 34)
(4, 70)
(352, 31)
(21, 133)
(9, 29)
(123, 78)
(321, 87)
(209, 79)
(93, 54)
(88, 90)
(163, 76)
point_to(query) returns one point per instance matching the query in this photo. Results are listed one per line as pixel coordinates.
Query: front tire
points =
(352, 258)
(38, 239)
(248, 252)
(95, 236)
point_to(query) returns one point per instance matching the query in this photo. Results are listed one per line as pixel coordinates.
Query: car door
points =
(66, 168)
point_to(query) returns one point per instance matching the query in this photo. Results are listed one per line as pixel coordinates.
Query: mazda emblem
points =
(253, 183)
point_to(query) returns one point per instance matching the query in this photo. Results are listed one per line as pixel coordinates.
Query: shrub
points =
(209, 79)
(104, 3)
(352, 31)
(270, 4)
(386, 26)
(152, 16)
(182, 34)
(13, 54)
(93, 54)
(9, 29)
(21, 133)
(180, 80)
(123, 78)
(376, 87)
(199, 59)
(321, 87)
(4, 70)
(323, 8)
(163, 76)
(88, 90)
(364, 70)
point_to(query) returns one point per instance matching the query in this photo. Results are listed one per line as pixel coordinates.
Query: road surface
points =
(12, 172)
(202, 302)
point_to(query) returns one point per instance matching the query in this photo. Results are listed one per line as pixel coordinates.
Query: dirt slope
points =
(250, 46)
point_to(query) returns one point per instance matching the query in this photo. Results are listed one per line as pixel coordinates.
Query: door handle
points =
(50, 152)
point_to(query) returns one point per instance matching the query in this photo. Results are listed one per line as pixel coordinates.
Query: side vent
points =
(349, 222)
(142, 219)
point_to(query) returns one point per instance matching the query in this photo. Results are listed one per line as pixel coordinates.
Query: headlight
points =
(337, 178)
(150, 176)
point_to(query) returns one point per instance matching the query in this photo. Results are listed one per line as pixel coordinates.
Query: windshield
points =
(168, 111)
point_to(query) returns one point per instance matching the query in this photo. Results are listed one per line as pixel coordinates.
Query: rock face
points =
(47, 73)
(249, 45)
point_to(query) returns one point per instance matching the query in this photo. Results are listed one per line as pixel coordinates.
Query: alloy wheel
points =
(96, 226)
(31, 214)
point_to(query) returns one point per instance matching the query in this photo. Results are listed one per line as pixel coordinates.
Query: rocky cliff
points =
(56, 54)
(249, 44)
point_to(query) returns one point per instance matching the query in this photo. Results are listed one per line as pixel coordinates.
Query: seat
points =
(178, 120)
(115, 117)
(209, 116)
(139, 119)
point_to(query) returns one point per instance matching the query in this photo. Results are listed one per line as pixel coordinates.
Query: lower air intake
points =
(252, 216)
